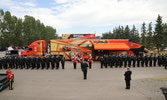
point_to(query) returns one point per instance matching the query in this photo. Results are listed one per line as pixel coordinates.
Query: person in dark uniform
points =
(101, 62)
(155, 60)
(117, 61)
(53, 62)
(142, 61)
(105, 61)
(114, 60)
(43, 62)
(146, 60)
(125, 61)
(111, 61)
(57, 59)
(129, 60)
(48, 60)
(63, 61)
(127, 75)
(120, 61)
(84, 69)
(0, 63)
(134, 60)
(159, 60)
(165, 62)
(150, 60)
(38, 62)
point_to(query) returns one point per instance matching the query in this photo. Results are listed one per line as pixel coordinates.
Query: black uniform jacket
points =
(128, 75)
(84, 67)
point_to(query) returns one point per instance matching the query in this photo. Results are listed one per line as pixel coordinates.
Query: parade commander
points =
(128, 78)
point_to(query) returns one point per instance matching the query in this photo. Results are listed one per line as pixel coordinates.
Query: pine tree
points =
(143, 34)
(158, 34)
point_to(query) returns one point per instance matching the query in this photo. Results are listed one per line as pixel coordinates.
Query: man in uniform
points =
(134, 60)
(84, 69)
(150, 60)
(142, 61)
(125, 61)
(75, 59)
(101, 62)
(81, 59)
(127, 75)
(165, 62)
(155, 60)
(129, 60)
(146, 60)
(48, 60)
(90, 60)
(138, 61)
(63, 61)
(0, 63)
(53, 62)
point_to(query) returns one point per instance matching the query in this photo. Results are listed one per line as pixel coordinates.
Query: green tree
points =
(158, 34)
(149, 38)
(143, 34)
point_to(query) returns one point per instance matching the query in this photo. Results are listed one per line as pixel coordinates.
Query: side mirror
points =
(30, 49)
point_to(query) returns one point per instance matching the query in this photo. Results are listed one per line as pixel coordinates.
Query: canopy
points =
(111, 46)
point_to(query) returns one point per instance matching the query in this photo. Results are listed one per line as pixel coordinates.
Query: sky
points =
(88, 16)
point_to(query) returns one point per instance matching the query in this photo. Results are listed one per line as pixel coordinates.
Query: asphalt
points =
(101, 84)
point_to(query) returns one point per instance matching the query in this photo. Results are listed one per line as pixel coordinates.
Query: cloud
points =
(66, 14)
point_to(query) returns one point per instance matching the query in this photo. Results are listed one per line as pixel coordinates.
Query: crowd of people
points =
(55, 61)
(31, 62)
(133, 61)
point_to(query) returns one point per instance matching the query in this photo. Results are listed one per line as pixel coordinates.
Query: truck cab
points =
(37, 48)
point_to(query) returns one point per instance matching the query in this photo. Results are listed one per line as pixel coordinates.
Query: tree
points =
(158, 34)
(149, 38)
(127, 32)
(143, 34)
(165, 34)
(134, 35)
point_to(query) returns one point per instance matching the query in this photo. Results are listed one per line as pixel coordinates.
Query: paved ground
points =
(102, 84)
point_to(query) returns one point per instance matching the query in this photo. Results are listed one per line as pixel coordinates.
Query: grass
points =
(159, 79)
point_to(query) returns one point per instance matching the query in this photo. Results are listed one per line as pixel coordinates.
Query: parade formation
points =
(55, 61)
(133, 61)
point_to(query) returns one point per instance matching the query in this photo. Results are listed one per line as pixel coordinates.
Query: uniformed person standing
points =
(63, 61)
(159, 60)
(155, 60)
(84, 69)
(53, 62)
(81, 59)
(90, 60)
(105, 61)
(101, 62)
(75, 59)
(125, 61)
(150, 60)
(134, 60)
(48, 60)
(142, 61)
(138, 61)
(0, 63)
(165, 62)
(146, 60)
(127, 75)
(129, 60)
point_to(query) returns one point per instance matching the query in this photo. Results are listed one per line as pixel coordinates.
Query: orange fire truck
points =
(96, 47)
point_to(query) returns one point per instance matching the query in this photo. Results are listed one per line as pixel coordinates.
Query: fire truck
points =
(96, 47)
